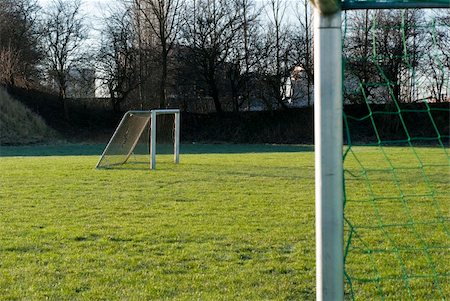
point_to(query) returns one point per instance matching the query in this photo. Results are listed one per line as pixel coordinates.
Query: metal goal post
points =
(328, 138)
(176, 141)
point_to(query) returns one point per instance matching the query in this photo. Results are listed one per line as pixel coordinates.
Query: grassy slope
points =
(215, 227)
(18, 125)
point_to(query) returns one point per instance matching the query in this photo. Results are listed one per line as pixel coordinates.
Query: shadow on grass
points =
(97, 149)
(51, 150)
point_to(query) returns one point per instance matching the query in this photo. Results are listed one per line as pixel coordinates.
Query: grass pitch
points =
(227, 223)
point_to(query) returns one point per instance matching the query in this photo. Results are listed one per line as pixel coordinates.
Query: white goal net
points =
(140, 135)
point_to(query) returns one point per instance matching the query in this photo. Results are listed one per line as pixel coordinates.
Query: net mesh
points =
(396, 159)
(165, 137)
(130, 142)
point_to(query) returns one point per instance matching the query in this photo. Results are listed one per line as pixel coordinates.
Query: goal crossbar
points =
(393, 4)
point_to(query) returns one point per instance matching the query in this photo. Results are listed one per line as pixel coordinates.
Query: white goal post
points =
(328, 151)
(136, 125)
(328, 137)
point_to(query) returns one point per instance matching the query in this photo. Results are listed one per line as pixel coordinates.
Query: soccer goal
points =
(396, 69)
(140, 135)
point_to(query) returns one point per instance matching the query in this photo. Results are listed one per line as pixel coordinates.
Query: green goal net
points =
(396, 157)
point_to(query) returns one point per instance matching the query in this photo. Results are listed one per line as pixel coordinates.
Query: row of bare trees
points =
(236, 50)
(398, 55)
(241, 51)
(19, 41)
(234, 53)
(38, 45)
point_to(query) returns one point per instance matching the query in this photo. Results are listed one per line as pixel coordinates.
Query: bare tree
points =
(384, 47)
(19, 51)
(210, 32)
(118, 58)
(277, 50)
(64, 31)
(359, 56)
(243, 57)
(302, 51)
(397, 51)
(163, 18)
(436, 61)
(9, 60)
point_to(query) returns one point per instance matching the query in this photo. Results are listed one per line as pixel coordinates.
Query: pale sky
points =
(94, 10)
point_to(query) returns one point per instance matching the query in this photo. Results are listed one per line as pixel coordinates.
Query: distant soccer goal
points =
(137, 136)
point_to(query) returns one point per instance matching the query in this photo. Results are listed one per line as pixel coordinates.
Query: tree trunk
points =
(115, 104)
(215, 96)
(308, 55)
(213, 89)
(63, 100)
(396, 85)
(163, 82)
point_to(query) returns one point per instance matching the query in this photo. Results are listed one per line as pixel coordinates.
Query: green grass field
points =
(228, 223)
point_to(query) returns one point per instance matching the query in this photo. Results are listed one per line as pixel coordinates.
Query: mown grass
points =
(215, 227)
(218, 226)
(398, 213)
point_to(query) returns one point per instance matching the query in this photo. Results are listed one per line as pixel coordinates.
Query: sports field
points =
(230, 222)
